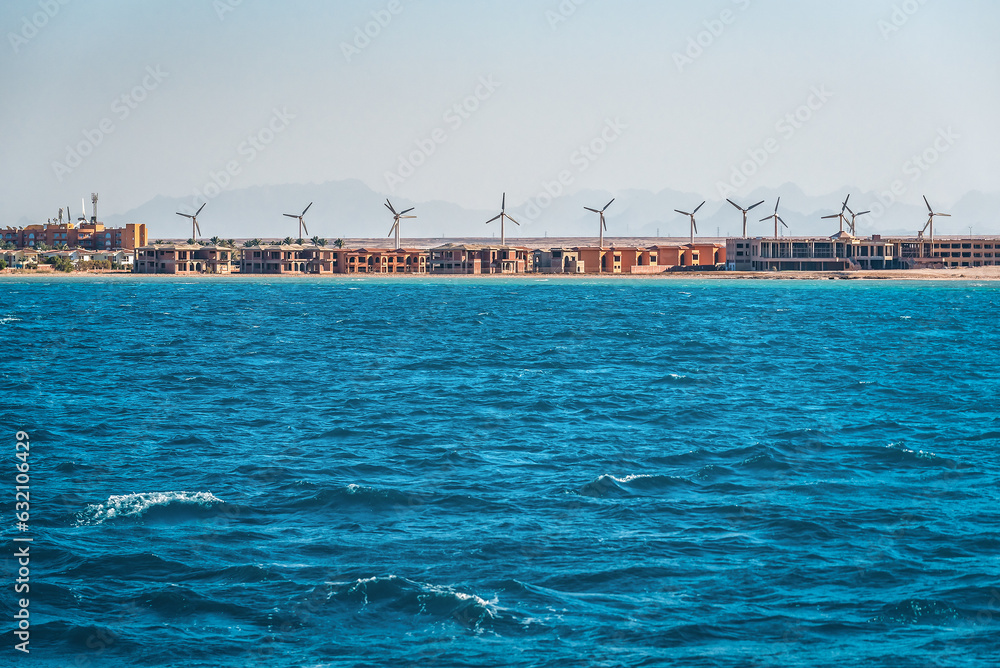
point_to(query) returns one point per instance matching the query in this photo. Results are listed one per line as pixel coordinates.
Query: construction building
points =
(183, 259)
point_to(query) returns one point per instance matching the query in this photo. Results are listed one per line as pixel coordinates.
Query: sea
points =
(526, 471)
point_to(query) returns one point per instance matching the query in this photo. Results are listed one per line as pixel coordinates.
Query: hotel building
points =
(183, 259)
(91, 236)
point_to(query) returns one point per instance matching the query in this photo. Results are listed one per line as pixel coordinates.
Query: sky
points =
(460, 100)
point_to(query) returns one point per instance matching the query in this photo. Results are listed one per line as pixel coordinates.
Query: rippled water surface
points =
(515, 472)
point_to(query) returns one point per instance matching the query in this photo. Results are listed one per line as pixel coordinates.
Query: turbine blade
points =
(946, 215)
(608, 204)
(496, 217)
(184, 214)
(768, 218)
(836, 215)
(781, 221)
(757, 204)
(605, 224)
(407, 216)
(699, 206)
(306, 209)
(305, 228)
(290, 215)
(200, 208)
(503, 202)
(845, 201)
(694, 225)
(928, 204)
(408, 210)
(513, 221)
(735, 204)
(860, 214)
(389, 205)
(589, 209)
(683, 212)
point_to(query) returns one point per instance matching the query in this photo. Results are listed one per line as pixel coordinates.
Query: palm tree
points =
(231, 243)
(216, 241)
(318, 241)
(339, 243)
(300, 241)
(287, 241)
(250, 243)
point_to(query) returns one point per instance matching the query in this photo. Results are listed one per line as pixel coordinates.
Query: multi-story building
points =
(382, 261)
(557, 261)
(476, 259)
(91, 236)
(844, 251)
(183, 259)
(653, 260)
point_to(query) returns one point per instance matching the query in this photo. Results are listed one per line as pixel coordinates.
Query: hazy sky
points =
(661, 93)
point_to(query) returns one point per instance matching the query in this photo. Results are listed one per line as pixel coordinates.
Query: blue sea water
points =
(517, 472)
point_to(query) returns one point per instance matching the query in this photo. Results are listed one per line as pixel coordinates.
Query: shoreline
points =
(953, 274)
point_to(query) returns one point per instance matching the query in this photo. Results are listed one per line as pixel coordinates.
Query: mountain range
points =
(350, 209)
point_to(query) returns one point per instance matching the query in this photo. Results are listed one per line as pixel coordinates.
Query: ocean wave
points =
(392, 593)
(608, 486)
(137, 505)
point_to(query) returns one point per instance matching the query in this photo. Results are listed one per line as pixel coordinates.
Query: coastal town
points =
(89, 245)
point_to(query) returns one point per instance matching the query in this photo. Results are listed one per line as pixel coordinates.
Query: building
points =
(382, 261)
(90, 236)
(557, 261)
(843, 251)
(653, 260)
(20, 259)
(480, 259)
(183, 259)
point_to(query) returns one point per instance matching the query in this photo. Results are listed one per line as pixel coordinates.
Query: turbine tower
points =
(604, 225)
(777, 218)
(502, 216)
(930, 219)
(396, 218)
(300, 216)
(194, 221)
(744, 213)
(852, 224)
(694, 225)
(843, 218)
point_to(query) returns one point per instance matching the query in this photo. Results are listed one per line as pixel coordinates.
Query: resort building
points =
(382, 261)
(843, 251)
(90, 236)
(475, 259)
(288, 259)
(183, 259)
(652, 260)
(557, 261)
(20, 259)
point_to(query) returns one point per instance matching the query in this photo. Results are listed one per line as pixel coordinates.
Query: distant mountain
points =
(351, 209)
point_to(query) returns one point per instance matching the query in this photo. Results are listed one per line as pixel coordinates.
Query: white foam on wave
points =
(9, 318)
(135, 505)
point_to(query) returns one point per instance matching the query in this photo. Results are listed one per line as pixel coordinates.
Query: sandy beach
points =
(955, 274)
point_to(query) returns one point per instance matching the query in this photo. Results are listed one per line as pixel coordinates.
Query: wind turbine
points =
(930, 218)
(744, 213)
(694, 225)
(302, 224)
(604, 225)
(854, 229)
(194, 221)
(843, 218)
(396, 218)
(502, 216)
(777, 218)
